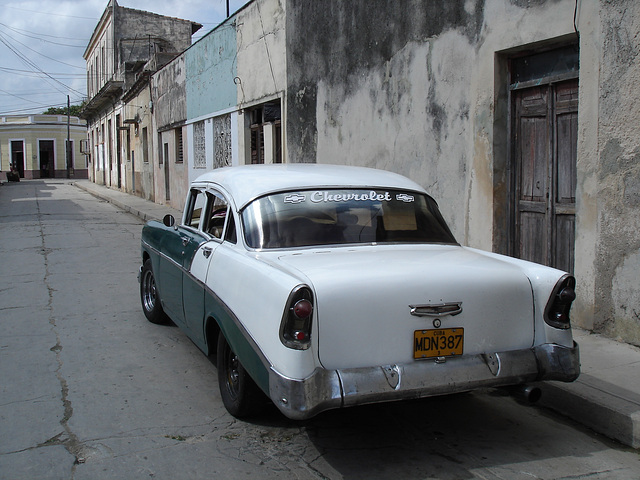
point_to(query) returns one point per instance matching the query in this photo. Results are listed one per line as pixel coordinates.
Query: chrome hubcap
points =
(149, 291)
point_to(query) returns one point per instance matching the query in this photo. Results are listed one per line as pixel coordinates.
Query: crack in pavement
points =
(67, 438)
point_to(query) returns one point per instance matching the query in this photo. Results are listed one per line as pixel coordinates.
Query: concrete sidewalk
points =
(140, 207)
(605, 398)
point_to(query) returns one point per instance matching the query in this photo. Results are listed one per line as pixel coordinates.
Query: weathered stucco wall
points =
(261, 68)
(169, 94)
(420, 87)
(409, 87)
(139, 25)
(617, 288)
(170, 112)
(211, 67)
(385, 85)
(140, 173)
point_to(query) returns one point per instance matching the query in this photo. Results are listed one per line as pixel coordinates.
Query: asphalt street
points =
(90, 390)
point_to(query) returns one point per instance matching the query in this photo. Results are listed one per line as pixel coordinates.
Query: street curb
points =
(599, 405)
(145, 216)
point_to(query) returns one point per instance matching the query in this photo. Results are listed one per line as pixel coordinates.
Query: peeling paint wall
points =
(261, 67)
(386, 85)
(137, 30)
(211, 67)
(420, 88)
(169, 94)
(261, 70)
(617, 187)
(210, 92)
(170, 112)
(140, 173)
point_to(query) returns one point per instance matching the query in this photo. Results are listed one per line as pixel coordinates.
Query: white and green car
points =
(326, 286)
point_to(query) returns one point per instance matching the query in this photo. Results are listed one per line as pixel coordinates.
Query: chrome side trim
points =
(328, 389)
(149, 246)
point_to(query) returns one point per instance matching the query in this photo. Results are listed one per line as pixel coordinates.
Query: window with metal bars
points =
(179, 146)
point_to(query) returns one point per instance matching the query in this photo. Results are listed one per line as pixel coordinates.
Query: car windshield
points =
(336, 217)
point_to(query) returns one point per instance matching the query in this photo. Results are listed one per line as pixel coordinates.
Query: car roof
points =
(248, 182)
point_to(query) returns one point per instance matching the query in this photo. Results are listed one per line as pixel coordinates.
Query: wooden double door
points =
(545, 123)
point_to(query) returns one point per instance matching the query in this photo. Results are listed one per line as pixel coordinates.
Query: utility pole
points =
(68, 149)
(227, 8)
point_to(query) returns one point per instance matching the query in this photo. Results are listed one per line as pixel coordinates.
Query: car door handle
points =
(206, 251)
(185, 241)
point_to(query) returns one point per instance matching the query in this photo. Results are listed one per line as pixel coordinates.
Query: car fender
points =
(543, 280)
(247, 297)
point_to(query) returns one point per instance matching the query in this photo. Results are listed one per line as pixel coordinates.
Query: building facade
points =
(170, 116)
(127, 46)
(36, 146)
(519, 117)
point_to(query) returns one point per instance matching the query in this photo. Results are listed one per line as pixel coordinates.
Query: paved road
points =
(90, 390)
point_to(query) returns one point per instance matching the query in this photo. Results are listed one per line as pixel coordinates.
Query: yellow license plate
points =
(444, 342)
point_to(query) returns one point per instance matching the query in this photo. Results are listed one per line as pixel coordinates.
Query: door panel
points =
(545, 152)
(171, 265)
(534, 159)
(193, 295)
(533, 187)
(567, 133)
(564, 241)
(534, 240)
(566, 175)
(208, 211)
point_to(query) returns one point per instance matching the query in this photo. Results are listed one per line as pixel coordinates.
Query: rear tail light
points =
(295, 329)
(556, 313)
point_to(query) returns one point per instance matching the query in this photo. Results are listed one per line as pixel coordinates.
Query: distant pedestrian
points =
(13, 175)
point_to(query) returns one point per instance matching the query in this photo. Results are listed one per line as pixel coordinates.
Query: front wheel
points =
(149, 295)
(240, 394)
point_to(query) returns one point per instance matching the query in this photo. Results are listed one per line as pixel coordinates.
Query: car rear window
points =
(336, 217)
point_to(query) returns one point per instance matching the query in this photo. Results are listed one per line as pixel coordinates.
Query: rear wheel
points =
(149, 295)
(240, 394)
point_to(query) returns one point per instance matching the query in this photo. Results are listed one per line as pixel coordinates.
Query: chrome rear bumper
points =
(327, 389)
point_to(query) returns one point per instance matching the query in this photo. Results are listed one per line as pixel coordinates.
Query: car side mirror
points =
(168, 220)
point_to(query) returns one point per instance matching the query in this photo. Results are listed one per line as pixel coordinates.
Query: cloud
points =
(42, 42)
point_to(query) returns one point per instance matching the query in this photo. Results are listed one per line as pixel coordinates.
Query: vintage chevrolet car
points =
(328, 286)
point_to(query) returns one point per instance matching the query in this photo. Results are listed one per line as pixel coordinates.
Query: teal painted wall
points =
(211, 68)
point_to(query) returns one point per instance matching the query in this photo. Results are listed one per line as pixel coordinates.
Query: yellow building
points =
(35, 146)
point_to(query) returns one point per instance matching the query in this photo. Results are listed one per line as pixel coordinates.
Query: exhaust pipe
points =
(526, 393)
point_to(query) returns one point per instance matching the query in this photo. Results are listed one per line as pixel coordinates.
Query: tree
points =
(74, 110)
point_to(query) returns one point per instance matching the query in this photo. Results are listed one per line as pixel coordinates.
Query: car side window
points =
(230, 234)
(218, 215)
(196, 209)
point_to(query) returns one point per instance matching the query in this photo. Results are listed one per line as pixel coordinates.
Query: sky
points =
(42, 43)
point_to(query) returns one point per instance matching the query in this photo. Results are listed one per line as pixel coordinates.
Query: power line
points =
(20, 30)
(19, 97)
(41, 54)
(40, 105)
(35, 110)
(50, 13)
(42, 39)
(31, 73)
(34, 67)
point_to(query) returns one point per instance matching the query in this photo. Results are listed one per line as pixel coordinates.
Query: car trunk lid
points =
(365, 297)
